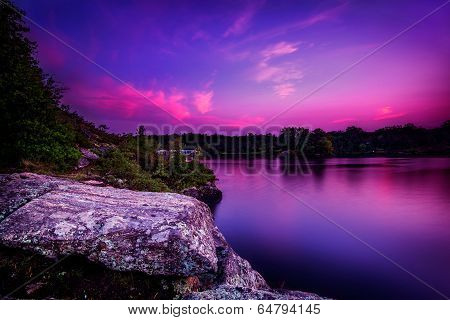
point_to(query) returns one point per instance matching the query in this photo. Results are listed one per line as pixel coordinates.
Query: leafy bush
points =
(179, 174)
(51, 145)
(121, 171)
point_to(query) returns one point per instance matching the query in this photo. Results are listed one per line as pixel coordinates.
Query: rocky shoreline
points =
(209, 194)
(169, 239)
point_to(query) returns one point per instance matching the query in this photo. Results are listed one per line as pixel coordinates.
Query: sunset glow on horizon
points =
(242, 63)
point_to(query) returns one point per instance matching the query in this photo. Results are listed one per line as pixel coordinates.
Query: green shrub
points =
(51, 145)
(179, 174)
(122, 171)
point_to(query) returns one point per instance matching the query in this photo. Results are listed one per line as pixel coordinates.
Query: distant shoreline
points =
(387, 155)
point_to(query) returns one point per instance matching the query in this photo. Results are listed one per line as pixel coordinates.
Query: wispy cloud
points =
(284, 89)
(242, 21)
(343, 120)
(278, 73)
(323, 16)
(281, 74)
(203, 101)
(387, 113)
(279, 49)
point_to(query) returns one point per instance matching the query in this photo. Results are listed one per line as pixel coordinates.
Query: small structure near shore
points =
(188, 152)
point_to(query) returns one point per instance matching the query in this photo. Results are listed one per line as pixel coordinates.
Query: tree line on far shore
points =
(395, 140)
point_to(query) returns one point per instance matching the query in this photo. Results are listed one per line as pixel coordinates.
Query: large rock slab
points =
(156, 233)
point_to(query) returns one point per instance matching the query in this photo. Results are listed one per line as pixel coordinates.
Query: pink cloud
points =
(387, 113)
(284, 89)
(203, 101)
(282, 75)
(343, 120)
(390, 116)
(385, 110)
(277, 73)
(126, 101)
(279, 49)
(265, 72)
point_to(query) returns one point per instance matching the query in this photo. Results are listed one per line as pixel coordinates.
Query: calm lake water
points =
(295, 237)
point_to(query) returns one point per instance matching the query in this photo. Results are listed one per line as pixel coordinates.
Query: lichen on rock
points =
(19, 188)
(156, 233)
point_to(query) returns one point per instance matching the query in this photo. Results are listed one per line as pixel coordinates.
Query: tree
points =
(103, 127)
(141, 131)
(319, 144)
(29, 101)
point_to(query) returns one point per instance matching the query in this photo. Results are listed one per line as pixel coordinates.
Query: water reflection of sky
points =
(399, 206)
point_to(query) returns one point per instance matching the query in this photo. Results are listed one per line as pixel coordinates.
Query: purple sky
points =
(240, 63)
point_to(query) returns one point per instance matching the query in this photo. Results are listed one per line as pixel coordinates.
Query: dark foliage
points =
(354, 141)
(29, 101)
(77, 278)
(407, 139)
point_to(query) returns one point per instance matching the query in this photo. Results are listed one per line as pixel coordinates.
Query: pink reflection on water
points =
(399, 206)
